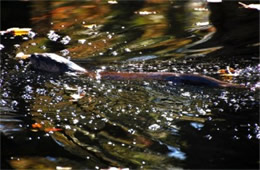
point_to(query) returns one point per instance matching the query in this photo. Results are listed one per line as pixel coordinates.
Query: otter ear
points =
(22, 56)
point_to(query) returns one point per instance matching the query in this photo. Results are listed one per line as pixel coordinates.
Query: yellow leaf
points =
(90, 26)
(18, 31)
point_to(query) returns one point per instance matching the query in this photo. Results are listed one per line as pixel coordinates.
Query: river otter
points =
(50, 62)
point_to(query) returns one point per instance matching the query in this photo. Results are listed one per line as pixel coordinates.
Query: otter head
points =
(50, 62)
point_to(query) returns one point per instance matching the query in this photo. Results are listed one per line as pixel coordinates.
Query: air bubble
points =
(154, 127)
(186, 94)
(65, 52)
(5, 94)
(75, 121)
(127, 50)
(201, 111)
(1, 47)
(65, 40)
(132, 131)
(17, 45)
(209, 137)
(67, 127)
(31, 34)
(114, 53)
(53, 36)
(33, 44)
(109, 36)
(28, 89)
(81, 41)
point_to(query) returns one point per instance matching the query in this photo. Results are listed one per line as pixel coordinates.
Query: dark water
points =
(130, 124)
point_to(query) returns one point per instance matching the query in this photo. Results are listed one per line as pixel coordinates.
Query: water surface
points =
(126, 124)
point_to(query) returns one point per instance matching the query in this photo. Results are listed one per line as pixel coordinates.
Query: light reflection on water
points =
(131, 124)
(176, 153)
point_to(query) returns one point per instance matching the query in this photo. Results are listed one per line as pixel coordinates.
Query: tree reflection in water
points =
(130, 124)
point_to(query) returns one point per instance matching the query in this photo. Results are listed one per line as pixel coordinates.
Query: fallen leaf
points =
(90, 26)
(228, 72)
(53, 129)
(36, 125)
(17, 31)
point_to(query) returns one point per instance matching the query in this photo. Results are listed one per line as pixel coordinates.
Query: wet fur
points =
(57, 64)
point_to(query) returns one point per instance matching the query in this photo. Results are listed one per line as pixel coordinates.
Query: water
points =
(63, 122)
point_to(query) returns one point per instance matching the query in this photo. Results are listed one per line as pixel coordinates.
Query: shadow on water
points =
(236, 32)
(215, 137)
(63, 121)
(21, 17)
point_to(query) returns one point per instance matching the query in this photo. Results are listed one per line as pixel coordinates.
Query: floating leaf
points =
(36, 125)
(90, 26)
(52, 129)
(228, 72)
(17, 31)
